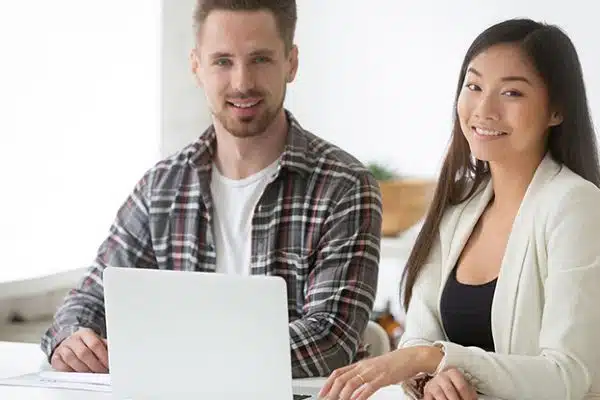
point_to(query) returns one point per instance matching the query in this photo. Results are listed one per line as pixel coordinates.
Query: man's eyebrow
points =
(221, 54)
(262, 52)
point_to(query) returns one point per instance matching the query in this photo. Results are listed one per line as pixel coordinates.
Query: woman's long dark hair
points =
(572, 143)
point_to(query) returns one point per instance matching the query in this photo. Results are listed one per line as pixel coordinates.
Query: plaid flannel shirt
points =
(317, 225)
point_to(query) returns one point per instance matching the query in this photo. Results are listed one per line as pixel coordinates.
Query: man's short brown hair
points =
(284, 11)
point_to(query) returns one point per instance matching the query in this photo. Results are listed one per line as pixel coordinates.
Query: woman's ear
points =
(555, 119)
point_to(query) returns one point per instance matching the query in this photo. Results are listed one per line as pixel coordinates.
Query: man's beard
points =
(249, 127)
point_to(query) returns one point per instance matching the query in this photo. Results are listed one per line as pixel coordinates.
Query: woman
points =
(502, 286)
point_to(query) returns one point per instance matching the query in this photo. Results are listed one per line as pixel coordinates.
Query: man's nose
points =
(242, 79)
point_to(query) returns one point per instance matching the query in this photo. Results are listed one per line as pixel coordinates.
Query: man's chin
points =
(244, 134)
(242, 129)
(246, 127)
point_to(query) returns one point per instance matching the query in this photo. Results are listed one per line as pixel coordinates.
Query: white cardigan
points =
(546, 307)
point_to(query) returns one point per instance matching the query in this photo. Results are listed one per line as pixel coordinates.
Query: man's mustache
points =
(245, 95)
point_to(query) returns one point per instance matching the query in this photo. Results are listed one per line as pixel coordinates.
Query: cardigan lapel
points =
(457, 229)
(507, 286)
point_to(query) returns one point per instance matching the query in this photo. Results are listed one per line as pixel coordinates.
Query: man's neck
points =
(238, 158)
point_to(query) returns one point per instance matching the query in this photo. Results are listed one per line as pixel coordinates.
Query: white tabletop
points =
(21, 358)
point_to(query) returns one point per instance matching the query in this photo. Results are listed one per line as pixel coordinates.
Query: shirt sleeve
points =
(341, 287)
(127, 245)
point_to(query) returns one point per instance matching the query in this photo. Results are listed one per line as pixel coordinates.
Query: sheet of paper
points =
(101, 383)
(62, 380)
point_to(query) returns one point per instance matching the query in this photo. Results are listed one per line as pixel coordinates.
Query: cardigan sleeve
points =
(422, 324)
(569, 355)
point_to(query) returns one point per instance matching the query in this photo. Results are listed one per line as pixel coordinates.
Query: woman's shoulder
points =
(568, 188)
(569, 197)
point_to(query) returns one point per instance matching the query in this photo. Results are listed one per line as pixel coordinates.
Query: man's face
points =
(241, 62)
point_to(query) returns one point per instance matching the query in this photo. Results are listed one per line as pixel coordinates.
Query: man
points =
(255, 194)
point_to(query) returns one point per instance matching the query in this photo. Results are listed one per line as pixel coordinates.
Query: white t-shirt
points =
(234, 202)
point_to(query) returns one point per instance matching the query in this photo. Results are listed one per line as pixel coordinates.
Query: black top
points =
(466, 313)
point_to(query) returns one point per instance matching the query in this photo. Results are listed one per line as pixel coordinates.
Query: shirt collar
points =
(296, 155)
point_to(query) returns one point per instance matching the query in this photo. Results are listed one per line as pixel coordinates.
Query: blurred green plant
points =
(382, 172)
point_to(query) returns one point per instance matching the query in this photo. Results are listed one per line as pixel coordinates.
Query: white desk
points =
(21, 358)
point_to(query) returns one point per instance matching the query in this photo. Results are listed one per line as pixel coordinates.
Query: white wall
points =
(81, 91)
(378, 77)
(184, 114)
(79, 124)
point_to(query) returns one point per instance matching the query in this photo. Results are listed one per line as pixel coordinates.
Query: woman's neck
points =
(510, 181)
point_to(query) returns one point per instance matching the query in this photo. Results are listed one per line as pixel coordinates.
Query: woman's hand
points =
(360, 380)
(450, 384)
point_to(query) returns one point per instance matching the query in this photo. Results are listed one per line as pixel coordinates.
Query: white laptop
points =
(180, 335)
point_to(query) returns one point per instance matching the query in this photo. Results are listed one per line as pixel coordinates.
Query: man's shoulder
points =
(324, 159)
(174, 170)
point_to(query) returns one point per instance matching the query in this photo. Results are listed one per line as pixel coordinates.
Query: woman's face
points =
(503, 106)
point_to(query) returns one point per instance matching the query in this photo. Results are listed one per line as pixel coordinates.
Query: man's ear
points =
(555, 119)
(293, 60)
(195, 66)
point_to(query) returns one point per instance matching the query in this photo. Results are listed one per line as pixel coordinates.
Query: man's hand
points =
(84, 351)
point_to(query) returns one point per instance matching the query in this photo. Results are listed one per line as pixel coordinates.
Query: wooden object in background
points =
(405, 202)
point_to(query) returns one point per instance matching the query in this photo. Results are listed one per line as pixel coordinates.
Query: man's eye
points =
(222, 62)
